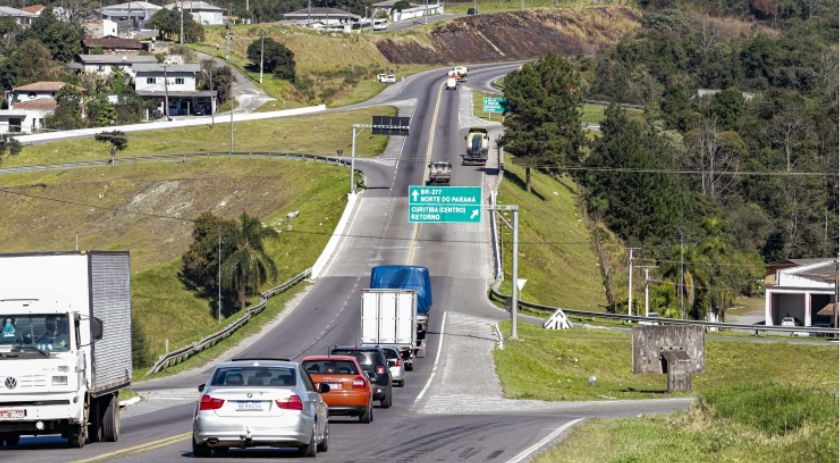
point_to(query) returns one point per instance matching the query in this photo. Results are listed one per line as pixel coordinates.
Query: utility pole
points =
(426, 13)
(212, 88)
(165, 92)
(630, 283)
(682, 274)
(522, 5)
(182, 26)
(309, 12)
(647, 293)
(248, 5)
(230, 149)
(227, 42)
(262, 46)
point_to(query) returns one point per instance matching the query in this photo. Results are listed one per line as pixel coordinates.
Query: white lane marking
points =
(435, 366)
(521, 456)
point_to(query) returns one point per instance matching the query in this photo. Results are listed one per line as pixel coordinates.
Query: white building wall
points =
(32, 119)
(187, 82)
(208, 18)
(17, 97)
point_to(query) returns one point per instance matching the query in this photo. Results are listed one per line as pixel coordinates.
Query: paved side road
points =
(249, 95)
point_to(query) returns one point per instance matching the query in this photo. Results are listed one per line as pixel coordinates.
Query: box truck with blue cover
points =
(417, 282)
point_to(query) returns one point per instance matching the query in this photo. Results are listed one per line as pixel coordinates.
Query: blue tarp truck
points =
(408, 278)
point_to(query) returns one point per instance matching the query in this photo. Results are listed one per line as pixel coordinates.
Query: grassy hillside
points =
(557, 254)
(762, 422)
(495, 6)
(556, 365)
(332, 68)
(315, 134)
(163, 307)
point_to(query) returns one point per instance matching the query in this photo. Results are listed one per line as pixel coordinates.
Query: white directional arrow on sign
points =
(520, 282)
(415, 195)
(474, 214)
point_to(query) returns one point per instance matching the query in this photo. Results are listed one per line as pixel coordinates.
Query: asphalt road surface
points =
(450, 409)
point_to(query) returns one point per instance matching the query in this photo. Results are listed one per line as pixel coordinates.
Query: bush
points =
(277, 59)
(772, 408)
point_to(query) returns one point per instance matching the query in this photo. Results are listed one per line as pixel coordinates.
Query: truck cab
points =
(440, 172)
(65, 345)
(478, 145)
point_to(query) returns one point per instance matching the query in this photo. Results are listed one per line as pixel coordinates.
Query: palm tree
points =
(248, 266)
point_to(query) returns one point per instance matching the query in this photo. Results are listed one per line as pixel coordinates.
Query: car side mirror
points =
(200, 388)
(323, 388)
(96, 329)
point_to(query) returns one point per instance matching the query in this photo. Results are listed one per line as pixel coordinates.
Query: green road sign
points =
(444, 204)
(494, 105)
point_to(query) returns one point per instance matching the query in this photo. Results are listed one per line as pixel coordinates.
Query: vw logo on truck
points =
(10, 382)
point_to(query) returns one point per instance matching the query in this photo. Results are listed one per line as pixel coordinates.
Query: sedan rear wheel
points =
(367, 416)
(324, 446)
(310, 450)
(201, 450)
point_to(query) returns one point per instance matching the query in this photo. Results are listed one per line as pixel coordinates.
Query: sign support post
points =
(514, 303)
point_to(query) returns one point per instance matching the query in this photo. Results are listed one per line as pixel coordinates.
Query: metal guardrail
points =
(179, 355)
(669, 321)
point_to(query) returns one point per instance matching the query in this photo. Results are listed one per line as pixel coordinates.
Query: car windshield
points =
(45, 333)
(367, 359)
(391, 354)
(254, 376)
(330, 367)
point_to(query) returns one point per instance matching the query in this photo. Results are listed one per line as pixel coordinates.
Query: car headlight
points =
(59, 380)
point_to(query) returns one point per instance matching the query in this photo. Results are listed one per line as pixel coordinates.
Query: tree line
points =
(711, 227)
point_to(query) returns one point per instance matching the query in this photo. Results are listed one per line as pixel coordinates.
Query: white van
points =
(386, 78)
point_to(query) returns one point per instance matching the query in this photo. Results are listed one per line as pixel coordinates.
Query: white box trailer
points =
(65, 344)
(389, 316)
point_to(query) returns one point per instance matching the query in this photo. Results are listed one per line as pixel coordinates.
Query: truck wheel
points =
(110, 420)
(77, 437)
(12, 440)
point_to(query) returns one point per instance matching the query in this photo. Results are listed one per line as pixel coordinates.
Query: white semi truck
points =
(65, 344)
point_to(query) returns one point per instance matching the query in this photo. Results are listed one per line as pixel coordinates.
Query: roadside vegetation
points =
(556, 365)
(165, 307)
(556, 250)
(322, 133)
(709, 232)
(762, 421)
(496, 6)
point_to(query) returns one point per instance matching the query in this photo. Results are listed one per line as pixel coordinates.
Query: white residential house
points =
(100, 28)
(28, 106)
(104, 65)
(321, 16)
(415, 11)
(22, 18)
(130, 16)
(202, 12)
(802, 289)
(175, 83)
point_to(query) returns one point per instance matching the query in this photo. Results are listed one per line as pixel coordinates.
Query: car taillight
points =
(380, 370)
(292, 403)
(399, 362)
(210, 403)
(358, 381)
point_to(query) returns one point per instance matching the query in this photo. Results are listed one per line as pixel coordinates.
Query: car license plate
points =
(249, 406)
(12, 413)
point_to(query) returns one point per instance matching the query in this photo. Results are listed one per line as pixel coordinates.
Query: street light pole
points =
(514, 305)
(182, 26)
(219, 305)
(353, 163)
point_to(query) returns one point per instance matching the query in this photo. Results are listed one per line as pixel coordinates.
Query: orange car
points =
(350, 393)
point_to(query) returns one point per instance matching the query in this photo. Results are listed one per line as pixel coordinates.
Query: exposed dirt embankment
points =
(512, 36)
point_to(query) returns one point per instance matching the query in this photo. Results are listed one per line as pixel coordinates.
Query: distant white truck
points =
(389, 316)
(65, 344)
(451, 83)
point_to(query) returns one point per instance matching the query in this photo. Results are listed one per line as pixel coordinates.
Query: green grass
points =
(315, 134)
(758, 422)
(495, 6)
(593, 113)
(556, 365)
(162, 307)
(127, 393)
(274, 307)
(557, 256)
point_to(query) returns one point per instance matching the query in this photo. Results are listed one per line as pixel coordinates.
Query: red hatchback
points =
(350, 392)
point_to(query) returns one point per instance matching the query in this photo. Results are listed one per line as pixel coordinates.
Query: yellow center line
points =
(429, 148)
(155, 444)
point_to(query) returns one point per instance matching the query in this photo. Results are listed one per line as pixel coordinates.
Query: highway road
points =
(451, 408)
